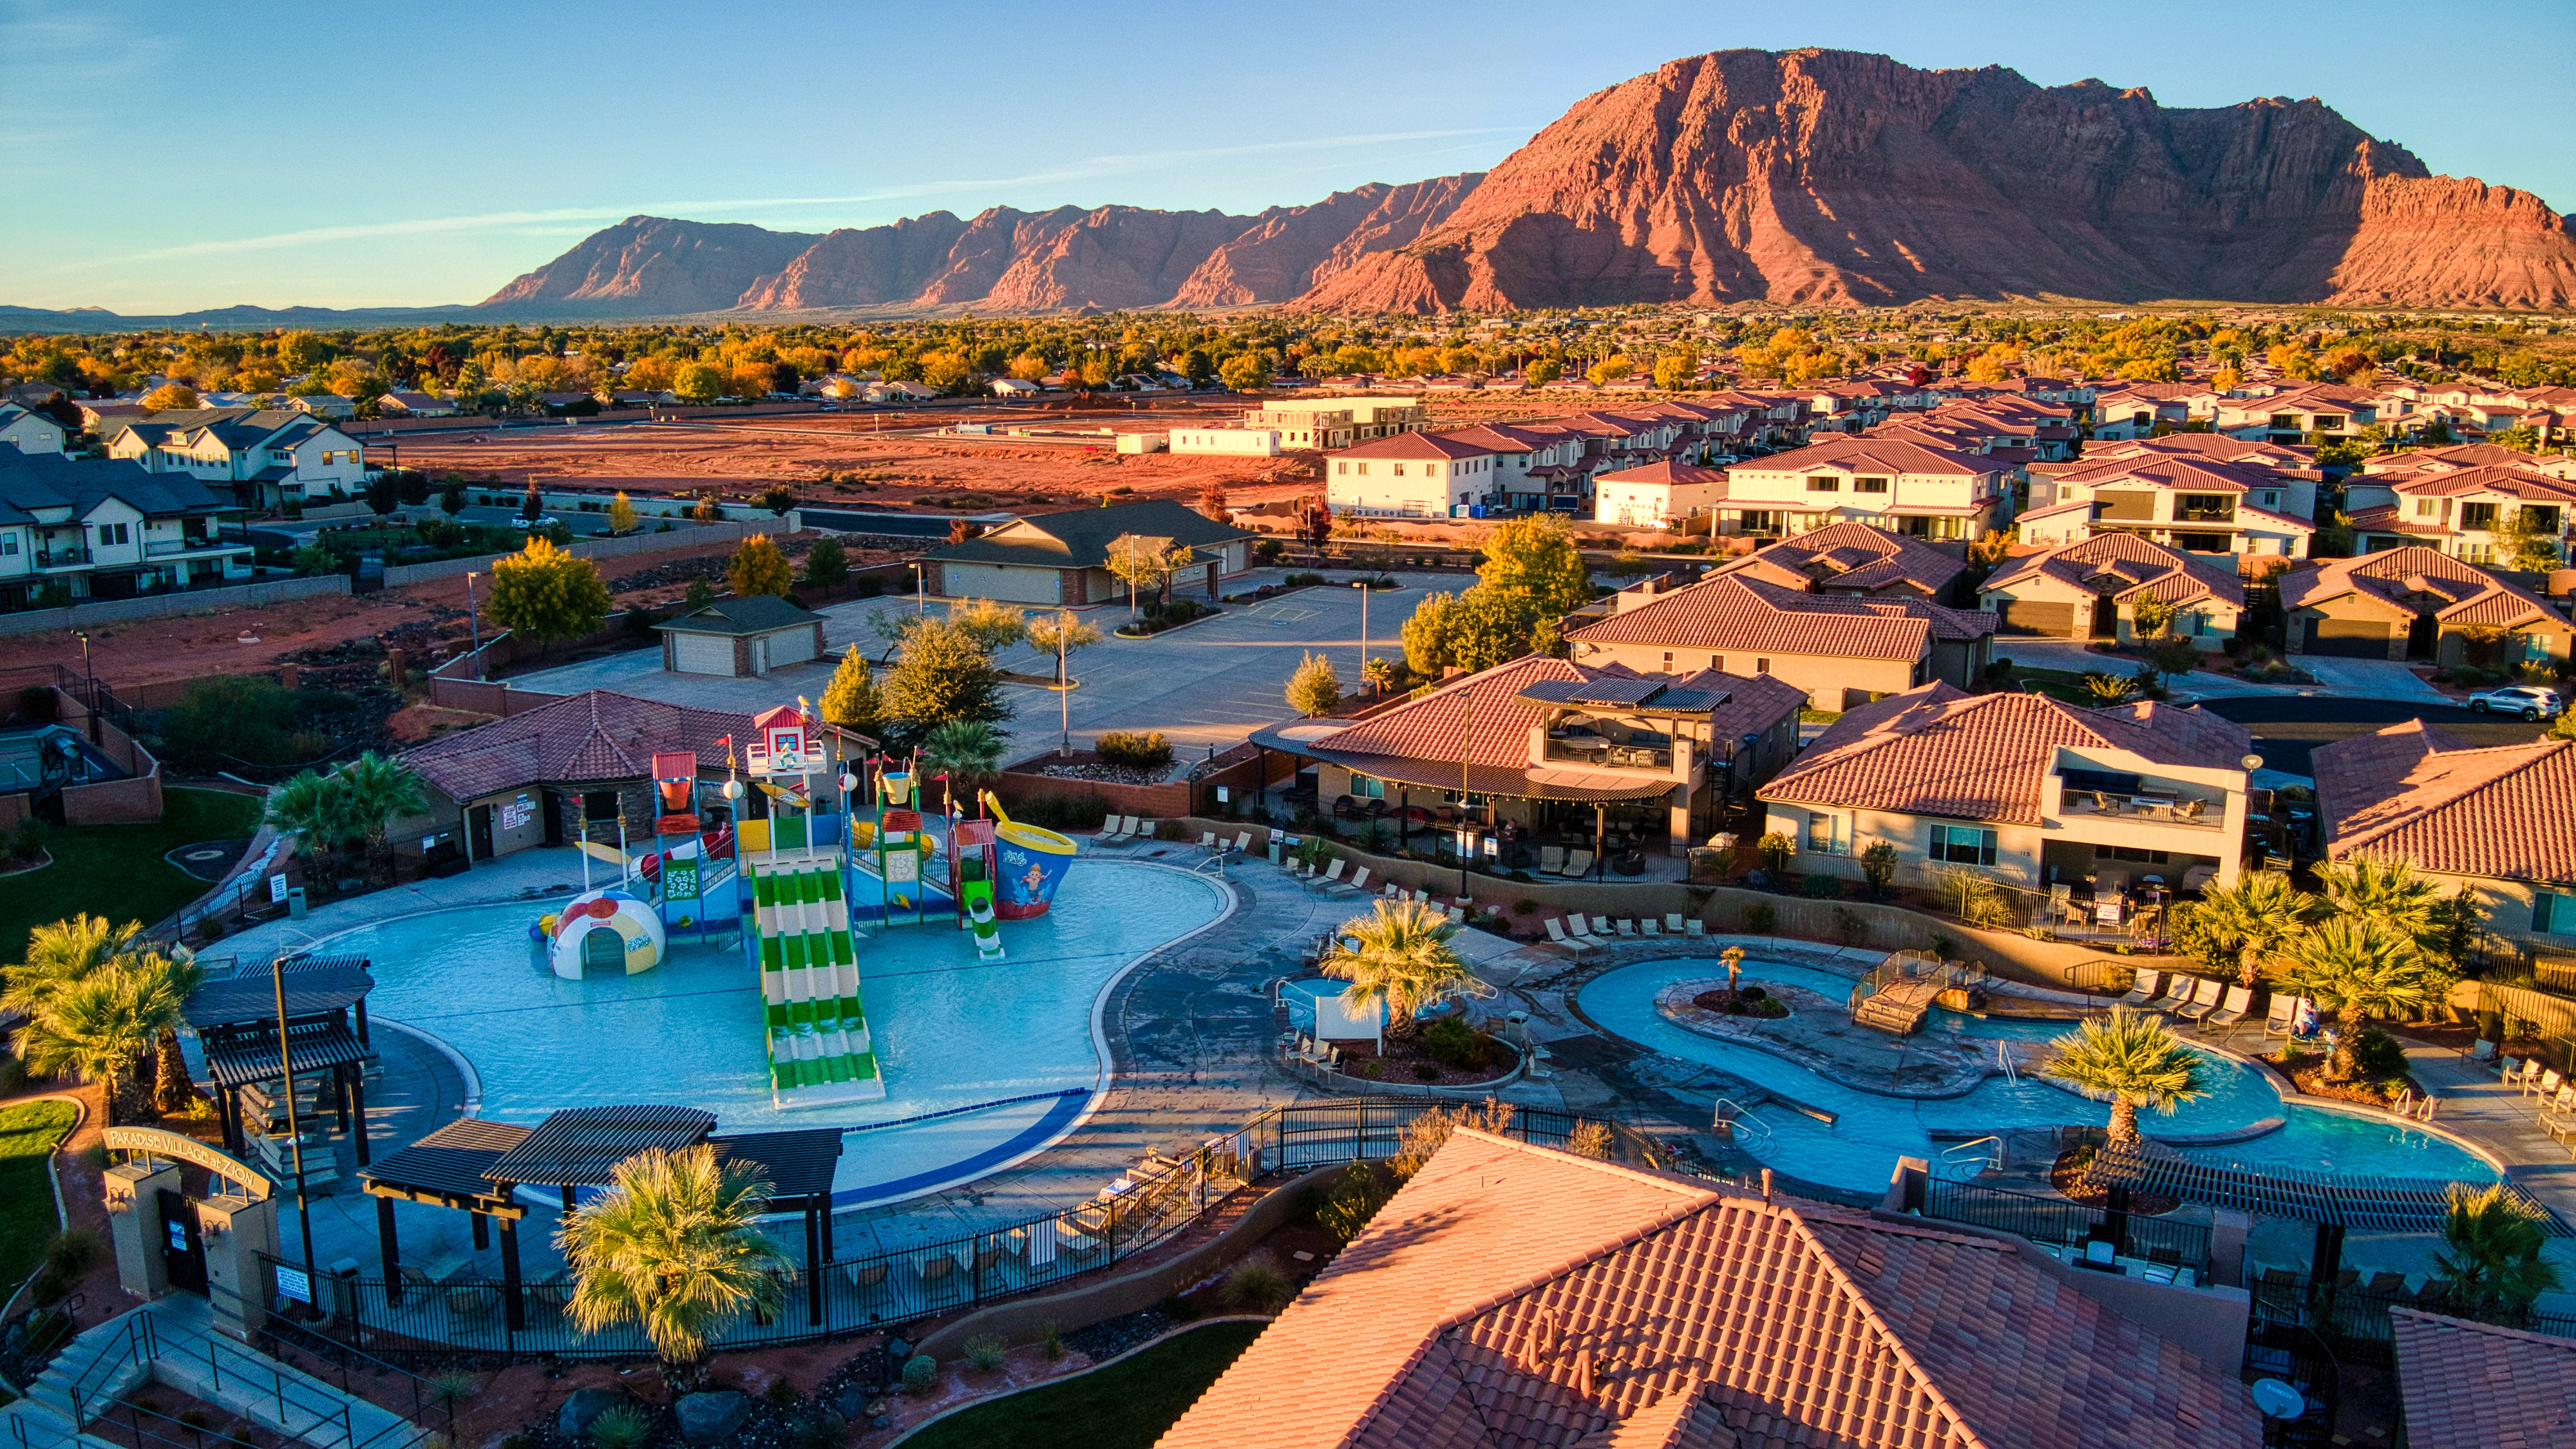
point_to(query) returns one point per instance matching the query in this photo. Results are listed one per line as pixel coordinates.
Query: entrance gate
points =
(183, 1247)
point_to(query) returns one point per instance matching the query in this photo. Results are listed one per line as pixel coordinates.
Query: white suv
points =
(2529, 701)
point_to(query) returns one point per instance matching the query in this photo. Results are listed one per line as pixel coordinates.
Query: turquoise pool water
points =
(1860, 1149)
(950, 1031)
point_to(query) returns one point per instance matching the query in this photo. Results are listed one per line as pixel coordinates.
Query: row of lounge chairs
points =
(1578, 935)
(2212, 1005)
(1557, 860)
(1120, 830)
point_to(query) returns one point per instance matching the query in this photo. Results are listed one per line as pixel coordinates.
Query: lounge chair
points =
(2283, 1017)
(1422, 898)
(1576, 864)
(2204, 1000)
(1580, 929)
(1359, 879)
(1648, 926)
(1695, 927)
(2143, 990)
(1551, 860)
(2483, 1051)
(2177, 993)
(2549, 1080)
(1672, 923)
(2558, 1118)
(1147, 830)
(1115, 829)
(1243, 842)
(1556, 936)
(2522, 1074)
(1627, 928)
(2240, 999)
(1393, 892)
(1207, 840)
(1333, 875)
(1455, 915)
(1601, 925)
(2387, 1285)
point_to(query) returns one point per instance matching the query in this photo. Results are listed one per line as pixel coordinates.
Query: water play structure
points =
(972, 853)
(1033, 862)
(607, 931)
(799, 935)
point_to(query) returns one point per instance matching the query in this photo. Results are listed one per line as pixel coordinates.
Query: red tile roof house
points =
(1858, 559)
(2462, 512)
(529, 779)
(1839, 649)
(2418, 603)
(1515, 1297)
(1559, 749)
(2477, 1386)
(1897, 484)
(2091, 590)
(2019, 789)
(2500, 821)
(2181, 500)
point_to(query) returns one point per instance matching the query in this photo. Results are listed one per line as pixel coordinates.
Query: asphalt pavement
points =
(2287, 726)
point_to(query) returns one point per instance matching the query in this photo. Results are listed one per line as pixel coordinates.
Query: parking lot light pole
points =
(1362, 586)
(474, 621)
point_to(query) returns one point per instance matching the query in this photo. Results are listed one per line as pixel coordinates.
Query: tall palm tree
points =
(2383, 889)
(673, 1246)
(375, 792)
(63, 953)
(99, 1027)
(2135, 1060)
(313, 810)
(1733, 956)
(2254, 918)
(1399, 956)
(2490, 1255)
(2356, 968)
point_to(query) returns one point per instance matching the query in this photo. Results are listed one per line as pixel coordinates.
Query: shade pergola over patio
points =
(235, 1020)
(477, 1167)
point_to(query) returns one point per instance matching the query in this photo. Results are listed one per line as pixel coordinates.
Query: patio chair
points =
(2143, 990)
(2558, 1118)
(2240, 999)
(1695, 927)
(2387, 1285)
(2549, 1082)
(1601, 926)
(1556, 936)
(1114, 830)
(1359, 879)
(2177, 995)
(1576, 864)
(1672, 923)
(2283, 1017)
(1422, 898)
(2482, 1051)
(1455, 915)
(2523, 1073)
(1649, 926)
(1243, 842)
(1207, 840)
(1627, 928)
(1392, 892)
(1333, 875)
(2204, 1000)
(1147, 829)
(1551, 860)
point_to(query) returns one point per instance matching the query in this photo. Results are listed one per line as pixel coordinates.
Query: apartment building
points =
(1327, 423)
(2020, 789)
(2462, 512)
(2091, 589)
(1666, 495)
(1899, 485)
(267, 457)
(1411, 475)
(100, 528)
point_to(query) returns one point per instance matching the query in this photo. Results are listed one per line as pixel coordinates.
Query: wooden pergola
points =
(236, 1022)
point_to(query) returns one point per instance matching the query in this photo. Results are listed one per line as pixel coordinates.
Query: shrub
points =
(1301, 580)
(986, 1352)
(1760, 919)
(1775, 851)
(1453, 1043)
(781, 1393)
(1061, 812)
(1051, 1340)
(1878, 864)
(918, 1371)
(1171, 830)
(2377, 1054)
(621, 1427)
(1256, 1286)
(1131, 751)
(1355, 1198)
(1821, 887)
(1524, 908)
(1425, 1072)
(1589, 1139)
(28, 841)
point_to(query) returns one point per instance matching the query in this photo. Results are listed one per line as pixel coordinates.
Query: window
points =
(2478, 517)
(2269, 498)
(2546, 917)
(2328, 422)
(1761, 666)
(2427, 507)
(1341, 467)
(1668, 662)
(2131, 854)
(1869, 485)
(110, 534)
(1367, 787)
(1824, 485)
(9, 545)
(1828, 834)
(1399, 470)
(1963, 845)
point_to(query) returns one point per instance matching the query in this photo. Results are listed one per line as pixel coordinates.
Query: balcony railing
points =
(159, 548)
(2147, 806)
(1608, 754)
(2204, 515)
(56, 558)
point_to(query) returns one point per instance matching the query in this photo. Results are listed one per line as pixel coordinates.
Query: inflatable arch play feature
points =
(606, 932)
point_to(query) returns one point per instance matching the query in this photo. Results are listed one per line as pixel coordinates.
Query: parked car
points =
(2531, 701)
(531, 525)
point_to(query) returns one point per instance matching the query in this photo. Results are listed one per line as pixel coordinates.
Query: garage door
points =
(790, 646)
(1000, 581)
(703, 653)
(2348, 638)
(2023, 616)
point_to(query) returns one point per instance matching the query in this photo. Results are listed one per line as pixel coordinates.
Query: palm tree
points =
(967, 751)
(2383, 889)
(2134, 1059)
(313, 810)
(99, 1027)
(2254, 918)
(63, 953)
(375, 792)
(673, 1246)
(1733, 956)
(2355, 968)
(1400, 957)
(2490, 1255)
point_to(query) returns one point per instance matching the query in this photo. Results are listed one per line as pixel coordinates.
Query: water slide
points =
(971, 847)
(819, 1048)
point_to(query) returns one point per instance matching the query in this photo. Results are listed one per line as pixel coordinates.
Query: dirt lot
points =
(876, 460)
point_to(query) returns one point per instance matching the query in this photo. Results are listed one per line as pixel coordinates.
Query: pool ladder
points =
(1989, 1152)
(2004, 1059)
(1732, 1122)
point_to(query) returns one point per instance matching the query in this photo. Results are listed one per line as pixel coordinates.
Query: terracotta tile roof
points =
(1667, 472)
(2477, 1386)
(593, 737)
(1936, 751)
(2464, 455)
(1734, 614)
(1892, 455)
(1429, 446)
(2507, 812)
(1851, 555)
(1511, 1297)
(2126, 565)
(2403, 582)
(2516, 481)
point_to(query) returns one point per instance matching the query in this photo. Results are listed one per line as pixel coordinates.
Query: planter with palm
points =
(1398, 956)
(2356, 968)
(674, 1247)
(968, 752)
(2135, 1060)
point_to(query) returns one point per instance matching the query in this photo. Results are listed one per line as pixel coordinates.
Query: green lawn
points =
(117, 870)
(29, 1133)
(1127, 1405)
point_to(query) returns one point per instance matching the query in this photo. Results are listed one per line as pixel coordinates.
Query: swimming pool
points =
(1860, 1149)
(950, 1031)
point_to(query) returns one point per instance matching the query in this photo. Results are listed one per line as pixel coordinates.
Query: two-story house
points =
(1901, 486)
(1858, 559)
(1327, 423)
(267, 458)
(105, 528)
(1666, 495)
(1837, 648)
(2465, 513)
(1411, 475)
(1543, 751)
(30, 432)
(2181, 499)
(2324, 410)
(2019, 789)
(2091, 589)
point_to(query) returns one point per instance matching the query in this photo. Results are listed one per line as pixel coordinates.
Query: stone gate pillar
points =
(134, 1223)
(241, 1237)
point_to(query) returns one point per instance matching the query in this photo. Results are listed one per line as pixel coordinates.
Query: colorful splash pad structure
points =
(1033, 862)
(603, 932)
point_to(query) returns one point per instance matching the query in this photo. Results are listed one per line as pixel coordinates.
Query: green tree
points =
(758, 567)
(1428, 646)
(1314, 689)
(674, 1245)
(384, 493)
(993, 625)
(2491, 1255)
(312, 810)
(544, 594)
(1397, 956)
(941, 674)
(2247, 923)
(967, 751)
(451, 496)
(827, 564)
(850, 701)
(1061, 637)
(1536, 558)
(1244, 372)
(63, 953)
(1609, 370)
(2528, 541)
(2135, 1060)
(2150, 616)
(377, 791)
(99, 1027)
(778, 498)
(699, 383)
(2356, 968)
(1543, 372)
(2381, 889)
(622, 516)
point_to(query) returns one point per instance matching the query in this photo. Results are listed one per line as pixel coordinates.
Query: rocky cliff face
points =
(1833, 177)
(1808, 176)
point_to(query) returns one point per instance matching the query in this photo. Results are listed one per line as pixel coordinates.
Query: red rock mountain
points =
(1834, 177)
(1810, 176)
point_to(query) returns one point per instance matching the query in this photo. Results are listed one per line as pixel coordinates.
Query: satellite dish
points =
(2252, 762)
(2278, 1400)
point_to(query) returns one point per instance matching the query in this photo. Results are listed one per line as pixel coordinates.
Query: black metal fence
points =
(2055, 1220)
(2352, 1317)
(412, 1320)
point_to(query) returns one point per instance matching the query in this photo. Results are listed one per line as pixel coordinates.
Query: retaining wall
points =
(165, 606)
(697, 536)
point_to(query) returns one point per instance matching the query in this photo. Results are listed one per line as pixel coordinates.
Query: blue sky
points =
(168, 156)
